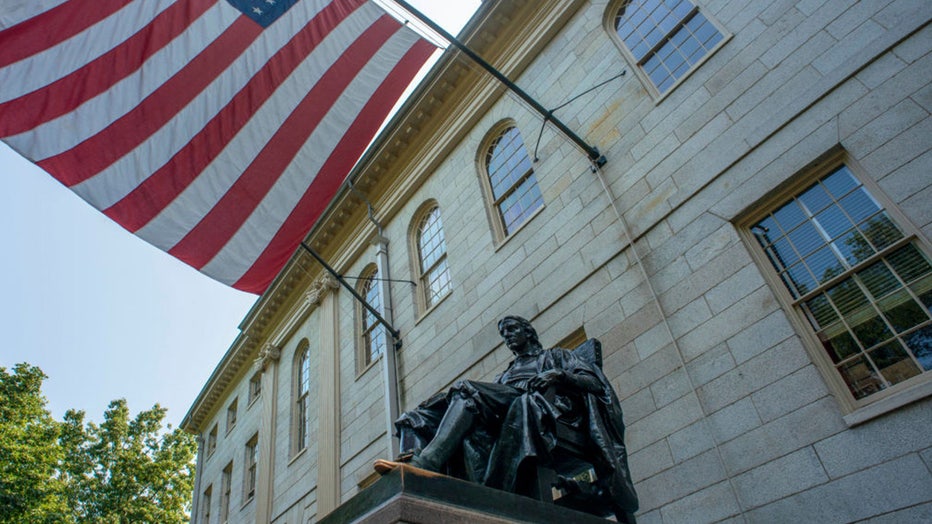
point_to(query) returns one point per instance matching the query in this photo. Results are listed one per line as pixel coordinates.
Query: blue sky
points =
(103, 313)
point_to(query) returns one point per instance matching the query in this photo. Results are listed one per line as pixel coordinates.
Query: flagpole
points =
(593, 152)
(396, 335)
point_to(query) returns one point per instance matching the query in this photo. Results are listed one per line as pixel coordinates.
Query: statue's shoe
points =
(384, 467)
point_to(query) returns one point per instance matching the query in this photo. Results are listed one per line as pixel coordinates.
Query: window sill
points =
(501, 243)
(430, 310)
(251, 402)
(888, 404)
(370, 365)
(297, 456)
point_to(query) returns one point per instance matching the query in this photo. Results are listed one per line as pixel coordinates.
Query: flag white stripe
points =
(69, 130)
(115, 182)
(241, 252)
(190, 207)
(16, 11)
(41, 69)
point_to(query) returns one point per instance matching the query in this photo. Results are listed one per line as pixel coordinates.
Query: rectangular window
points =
(231, 415)
(858, 280)
(255, 387)
(226, 484)
(205, 503)
(212, 441)
(252, 461)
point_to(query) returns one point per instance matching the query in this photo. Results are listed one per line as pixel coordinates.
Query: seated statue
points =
(498, 433)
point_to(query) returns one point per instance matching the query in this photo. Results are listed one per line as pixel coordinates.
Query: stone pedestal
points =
(414, 496)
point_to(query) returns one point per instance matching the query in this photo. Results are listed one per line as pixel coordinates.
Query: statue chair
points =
(570, 477)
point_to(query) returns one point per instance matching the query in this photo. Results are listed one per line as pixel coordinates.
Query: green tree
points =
(30, 489)
(127, 470)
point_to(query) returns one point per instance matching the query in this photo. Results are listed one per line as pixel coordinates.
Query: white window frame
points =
(301, 394)
(212, 441)
(611, 15)
(251, 469)
(232, 414)
(425, 299)
(206, 504)
(501, 229)
(255, 387)
(371, 338)
(226, 492)
(856, 411)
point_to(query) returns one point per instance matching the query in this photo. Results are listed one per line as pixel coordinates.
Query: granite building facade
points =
(754, 256)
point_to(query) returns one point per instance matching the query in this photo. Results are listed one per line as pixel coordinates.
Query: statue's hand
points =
(547, 378)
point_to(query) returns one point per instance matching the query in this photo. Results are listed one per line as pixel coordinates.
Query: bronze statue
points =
(498, 433)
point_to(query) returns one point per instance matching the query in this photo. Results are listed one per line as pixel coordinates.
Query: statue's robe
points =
(513, 425)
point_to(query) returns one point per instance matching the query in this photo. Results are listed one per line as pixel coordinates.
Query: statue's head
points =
(531, 342)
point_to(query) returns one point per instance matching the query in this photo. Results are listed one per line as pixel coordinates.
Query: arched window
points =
(666, 38)
(372, 333)
(302, 390)
(433, 272)
(515, 193)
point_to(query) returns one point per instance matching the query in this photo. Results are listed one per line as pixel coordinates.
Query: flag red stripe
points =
(122, 136)
(69, 92)
(145, 202)
(203, 242)
(53, 27)
(331, 175)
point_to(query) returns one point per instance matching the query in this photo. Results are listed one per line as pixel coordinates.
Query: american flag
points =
(216, 130)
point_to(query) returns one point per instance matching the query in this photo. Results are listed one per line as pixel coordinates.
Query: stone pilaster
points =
(268, 363)
(328, 445)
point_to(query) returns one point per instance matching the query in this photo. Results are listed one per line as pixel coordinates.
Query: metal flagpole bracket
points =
(597, 158)
(396, 335)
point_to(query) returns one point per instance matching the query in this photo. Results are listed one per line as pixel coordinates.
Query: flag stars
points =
(257, 10)
(270, 2)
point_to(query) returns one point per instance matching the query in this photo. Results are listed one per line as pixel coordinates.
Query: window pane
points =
(909, 263)
(861, 378)
(833, 222)
(902, 311)
(854, 248)
(894, 363)
(820, 311)
(920, 343)
(838, 343)
(923, 289)
(840, 183)
(806, 239)
(878, 279)
(859, 205)
(869, 328)
(789, 216)
(881, 231)
(802, 282)
(847, 297)
(815, 199)
(824, 264)
(786, 255)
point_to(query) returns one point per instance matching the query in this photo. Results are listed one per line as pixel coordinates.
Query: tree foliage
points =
(29, 451)
(126, 469)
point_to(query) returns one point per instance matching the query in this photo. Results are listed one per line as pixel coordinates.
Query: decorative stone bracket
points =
(269, 353)
(320, 288)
